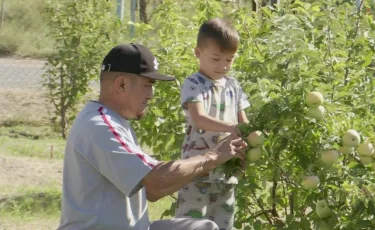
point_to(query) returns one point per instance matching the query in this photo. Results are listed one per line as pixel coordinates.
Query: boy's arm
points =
(242, 118)
(205, 122)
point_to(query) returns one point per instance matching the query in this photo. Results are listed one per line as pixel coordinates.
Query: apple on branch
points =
(311, 182)
(330, 156)
(322, 209)
(253, 154)
(314, 99)
(365, 149)
(316, 112)
(351, 138)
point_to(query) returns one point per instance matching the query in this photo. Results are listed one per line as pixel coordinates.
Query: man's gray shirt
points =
(103, 168)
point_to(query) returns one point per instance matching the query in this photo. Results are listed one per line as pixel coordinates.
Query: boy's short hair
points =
(221, 31)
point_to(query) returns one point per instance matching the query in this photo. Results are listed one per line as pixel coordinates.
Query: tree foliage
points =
(84, 31)
(286, 51)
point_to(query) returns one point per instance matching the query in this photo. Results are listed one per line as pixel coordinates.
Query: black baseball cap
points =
(133, 58)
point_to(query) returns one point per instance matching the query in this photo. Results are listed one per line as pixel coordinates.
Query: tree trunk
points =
(254, 5)
(143, 11)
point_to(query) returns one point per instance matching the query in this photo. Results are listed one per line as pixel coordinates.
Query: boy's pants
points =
(213, 201)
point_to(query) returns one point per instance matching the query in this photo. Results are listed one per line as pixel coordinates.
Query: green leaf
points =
(368, 59)
(170, 141)
(158, 112)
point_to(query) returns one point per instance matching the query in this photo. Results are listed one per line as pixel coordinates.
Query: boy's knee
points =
(207, 225)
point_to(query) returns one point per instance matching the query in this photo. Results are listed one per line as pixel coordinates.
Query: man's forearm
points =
(168, 177)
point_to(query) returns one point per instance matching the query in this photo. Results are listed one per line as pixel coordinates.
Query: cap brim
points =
(158, 76)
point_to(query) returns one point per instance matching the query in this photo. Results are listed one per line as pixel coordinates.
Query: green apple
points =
(256, 138)
(311, 182)
(316, 112)
(351, 138)
(365, 149)
(322, 209)
(253, 154)
(345, 150)
(366, 159)
(314, 99)
(330, 156)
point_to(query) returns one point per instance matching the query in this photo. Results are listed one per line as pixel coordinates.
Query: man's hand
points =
(235, 131)
(168, 177)
(230, 147)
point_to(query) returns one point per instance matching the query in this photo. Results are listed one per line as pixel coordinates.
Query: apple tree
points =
(308, 70)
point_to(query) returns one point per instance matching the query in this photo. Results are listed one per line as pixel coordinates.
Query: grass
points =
(31, 141)
(25, 31)
(40, 201)
(157, 208)
(46, 201)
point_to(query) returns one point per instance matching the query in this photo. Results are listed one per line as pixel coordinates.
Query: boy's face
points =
(213, 61)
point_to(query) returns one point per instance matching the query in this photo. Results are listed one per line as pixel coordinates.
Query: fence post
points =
(120, 9)
(132, 14)
(2, 14)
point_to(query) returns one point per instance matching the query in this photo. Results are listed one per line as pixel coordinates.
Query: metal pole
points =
(358, 3)
(2, 13)
(132, 13)
(120, 9)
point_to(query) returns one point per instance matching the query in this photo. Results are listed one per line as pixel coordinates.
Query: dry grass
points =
(20, 106)
(18, 174)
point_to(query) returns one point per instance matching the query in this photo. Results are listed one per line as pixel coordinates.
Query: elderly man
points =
(107, 177)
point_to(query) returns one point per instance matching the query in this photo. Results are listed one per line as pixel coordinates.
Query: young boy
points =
(213, 104)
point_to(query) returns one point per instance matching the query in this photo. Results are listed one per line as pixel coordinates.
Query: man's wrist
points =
(231, 128)
(210, 161)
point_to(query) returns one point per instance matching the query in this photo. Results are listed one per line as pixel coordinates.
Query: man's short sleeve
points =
(114, 154)
(191, 91)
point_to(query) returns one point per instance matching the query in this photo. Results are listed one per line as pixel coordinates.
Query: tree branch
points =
(350, 52)
(261, 207)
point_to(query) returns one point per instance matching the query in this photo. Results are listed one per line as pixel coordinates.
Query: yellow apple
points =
(256, 138)
(316, 112)
(345, 150)
(253, 154)
(366, 159)
(330, 156)
(365, 149)
(311, 182)
(351, 138)
(314, 99)
(322, 209)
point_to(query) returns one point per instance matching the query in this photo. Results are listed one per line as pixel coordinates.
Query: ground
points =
(20, 174)
(24, 172)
